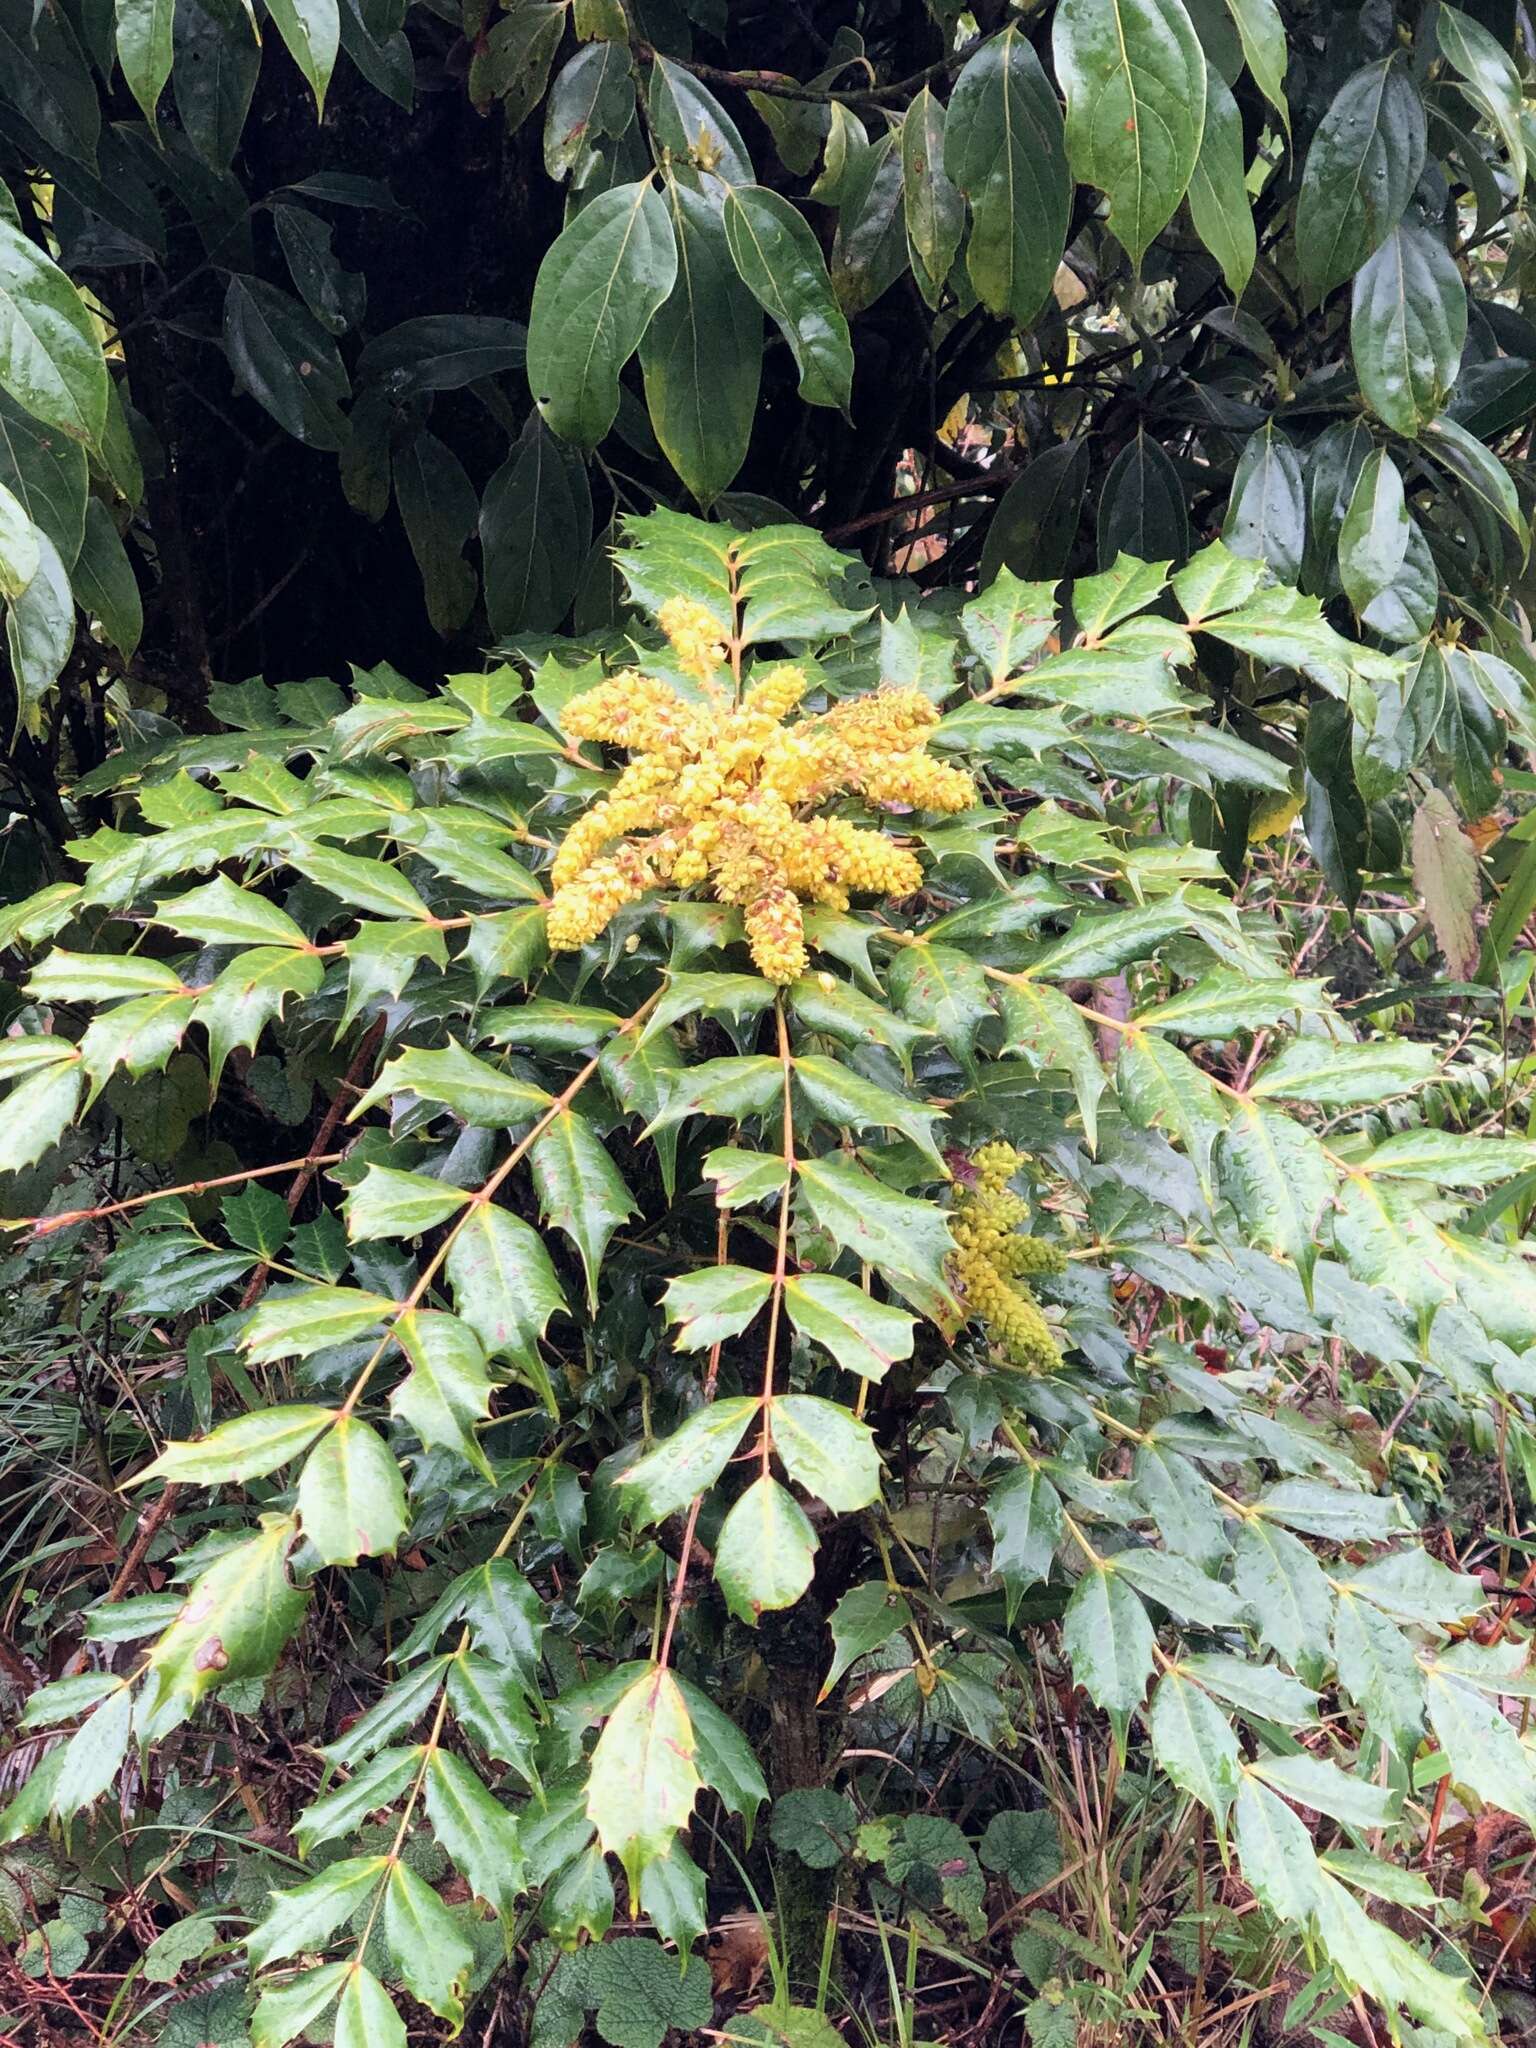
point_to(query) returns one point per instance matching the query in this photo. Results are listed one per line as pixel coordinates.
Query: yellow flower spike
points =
(723, 795)
(694, 634)
(992, 1255)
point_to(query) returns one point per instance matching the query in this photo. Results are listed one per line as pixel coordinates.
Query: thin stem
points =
(44, 1226)
(781, 1250)
(685, 1554)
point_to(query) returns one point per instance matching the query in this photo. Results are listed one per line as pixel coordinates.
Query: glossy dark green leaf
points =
(1266, 50)
(535, 528)
(870, 251)
(439, 510)
(1218, 195)
(701, 355)
(1360, 172)
(1134, 74)
(105, 586)
(1142, 506)
(934, 208)
(592, 96)
(1037, 517)
(597, 290)
(1488, 78)
(781, 264)
(50, 358)
(1373, 539)
(312, 31)
(285, 359)
(1266, 515)
(1005, 148)
(580, 1189)
(145, 49)
(1408, 327)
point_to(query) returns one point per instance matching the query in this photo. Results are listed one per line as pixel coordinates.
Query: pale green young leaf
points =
(472, 1088)
(505, 1286)
(449, 1388)
(1181, 1587)
(1344, 1076)
(1284, 1586)
(489, 1705)
(298, 1323)
(378, 1783)
(861, 1621)
(1024, 1510)
(351, 1497)
(38, 1111)
(715, 1303)
(1277, 1178)
(93, 1755)
(65, 977)
(865, 1336)
(303, 1919)
(237, 1616)
(643, 1779)
(1259, 1690)
(843, 1097)
(1046, 1025)
(223, 914)
(1266, 49)
(1108, 1637)
(478, 1833)
(891, 1231)
(1194, 1743)
(251, 993)
(366, 2016)
(246, 1448)
(687, 1463)
(285, 2011)
(312, 31)
(434, 1958)
(580, 1189)
(826, 1449)
(1489, 79)
(1484, 1751)
(1313, 1781)
(389, 1203)
(1378, 1670)
(1279, 1862)
(766, 1552)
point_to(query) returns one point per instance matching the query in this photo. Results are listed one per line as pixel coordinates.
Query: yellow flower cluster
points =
(993, 1256)
(725, 793)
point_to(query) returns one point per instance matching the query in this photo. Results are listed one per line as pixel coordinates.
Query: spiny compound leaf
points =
(688, 1462)
(766, 1552)
(644, 1779)
(479, 1834)
(434, 1958)
(351, 1497)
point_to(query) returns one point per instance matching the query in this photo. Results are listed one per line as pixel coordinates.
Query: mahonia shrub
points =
(792, 1119)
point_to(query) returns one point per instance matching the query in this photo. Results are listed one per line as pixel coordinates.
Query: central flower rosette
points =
(729, 792)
